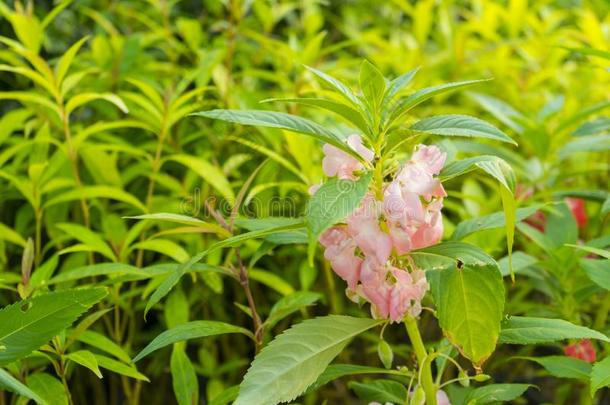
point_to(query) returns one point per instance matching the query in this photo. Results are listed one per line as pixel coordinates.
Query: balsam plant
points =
(108, 189)
(388, 252)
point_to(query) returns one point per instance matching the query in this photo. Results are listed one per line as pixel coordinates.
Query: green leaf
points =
(289, 304)
(592, 143)
(496, 392)
(399, 83)
(61, 69)
(598, 271)
(334, 201)
(48, 387)
(84, 98)
(591, 249)
(407, 103)
(293, 360)
(563, 366)
(185, 220)
(597, 126)
(381, 391)
(460, 125)
(171, 280)
(491, 221)
(88, 192)
(469, 302)
(501, 110)
(28, 324)
(100, 269)
(165, 247)
(10, 383)
(89, 238)
(335, 371)
(189, 330)
(347, 112)
(447, 254)
(210, 173)
(120, 368)
(600, 375)
(280, 120)
(526, 330)
(184, 378)
(492, 165)
(104, 344)
(337, 85)
(86, 359)
(225, 397)
(372, 84)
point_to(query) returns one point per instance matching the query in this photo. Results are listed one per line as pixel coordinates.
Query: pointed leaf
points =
(189, 330)
(293, 361)
(460, 125)
(28, 324)
(526, 330)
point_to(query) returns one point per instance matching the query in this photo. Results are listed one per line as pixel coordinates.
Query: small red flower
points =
(583, 350)
(577, 206)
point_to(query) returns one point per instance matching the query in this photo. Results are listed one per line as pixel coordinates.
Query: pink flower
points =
(582, 350)
(340, 252)
(401, 205)
(442, 398)
(430, 157)
(417, 175)
(363, 226)
(401, 238)
(375, 287)
(340, 164)
(431, 231)
(407, 293)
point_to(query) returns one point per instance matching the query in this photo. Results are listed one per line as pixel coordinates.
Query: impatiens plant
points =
(378, 216)
(166, 236)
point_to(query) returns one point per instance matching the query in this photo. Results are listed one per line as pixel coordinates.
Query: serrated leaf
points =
(496, 393)
(86, 359)
(345, 111)
(447, 254)
(563, 366)
(469, 302)
(189, 330)
(335, 371)
(381, 391)
(337, 85)
(600, 375)
(409, 102)
(293, 360)
(491, 221)
(272, 119)
(28, 324)
(460, 125)
(528, 330)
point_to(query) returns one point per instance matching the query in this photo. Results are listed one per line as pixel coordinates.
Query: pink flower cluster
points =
(368, 250)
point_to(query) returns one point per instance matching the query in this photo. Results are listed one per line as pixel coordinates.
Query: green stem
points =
(425, 370)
